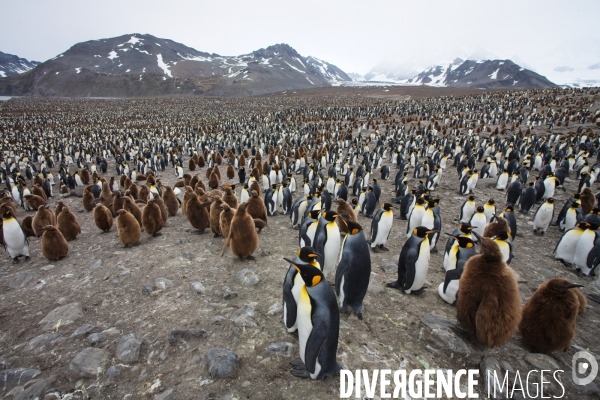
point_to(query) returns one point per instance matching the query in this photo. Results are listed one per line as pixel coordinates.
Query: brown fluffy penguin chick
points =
(230, 171)
(259, 224)
(122, 180)
(38, 191)
(103, 218)
(256, 207)
(191, 164)
(34, 201)
(43, 217)
(499, 224)
(216, 171)
(197, 212)
(130, 206)
(144, 193)
(225, 218)
(242, 237)
(229, 197)
(188, 189)
(213, 180)
(489, 305)
(118, 201)
(171, 201)
(548, 322)
(59, 208)
(134, 191)
(67, 224)
(164, 213)
(106, 195)
(209, 171)
(587, 200)
(214, 214)
(54, 245)
(152, 218)
(87, 198)
(27, 227)
(254, 187)
(344, 210)
(128, 228)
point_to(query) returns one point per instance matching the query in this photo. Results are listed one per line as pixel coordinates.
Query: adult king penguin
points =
(318, 319)
(327, 241)
(413, 262)
(354, 270)
(13, 237)
(381, 227)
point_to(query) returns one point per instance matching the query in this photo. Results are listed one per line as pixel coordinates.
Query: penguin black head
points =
(307, 254)
(354, 201)
(329, 215)
(465, 228)
(311, 275)
(502, 235)
(471, 198)
(422, 231)
(480, 209)
(387, 206)
(509, 209)
(464, 241)
(421, 201)
(314, 214)
(491, 202)
(550, 200)
(7, 213)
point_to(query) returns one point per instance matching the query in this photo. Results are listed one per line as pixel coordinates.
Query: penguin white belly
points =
(244, 196)
(542, 218)
(567, 246)
(16, 243)
(570, 220)
(342, 294)
(332, 248)
(451, 291)
(549, 190)
(468, 211)
(317, 206)
(504, 249)
(383, 229)
(428, 219)
(584, 246)
(301, 211)
(310, 232)
(502, 181)
(298, 283)
(303, 320)
(421, 266)
(450, 257)
(478, 221)
(415, 219)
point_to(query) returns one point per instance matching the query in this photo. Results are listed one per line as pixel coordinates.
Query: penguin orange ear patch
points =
(299, 251)
(469, 245)
(354, 231)
(414, 231)
(316, 279)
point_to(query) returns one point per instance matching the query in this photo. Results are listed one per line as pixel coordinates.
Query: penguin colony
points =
(323, 170)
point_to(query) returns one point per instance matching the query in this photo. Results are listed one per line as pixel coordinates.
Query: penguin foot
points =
(16, 260)
(359, 315)
(382, 247)
(157, 234)
(300, 371)
(26, 258)
(250, 257)
(216, 235)
(395, 285)
(375, 249)
(419, 291)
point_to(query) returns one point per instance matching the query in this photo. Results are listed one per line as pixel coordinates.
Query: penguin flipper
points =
(453, 274)
(288, 298)
(316, 339)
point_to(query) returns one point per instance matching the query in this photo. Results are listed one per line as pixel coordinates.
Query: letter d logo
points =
(582, 361)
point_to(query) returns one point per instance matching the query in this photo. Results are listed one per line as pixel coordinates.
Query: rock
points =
(147, 289)
(40, 342)
(53, 394)
(375, 287)
(243, 316)
(95, 338)
(217, 319)
(22, 278)
(197, 287)
(113, 372)
(5, 363)
(36, 390)
(222, 362)
(229, 294)
(247, 277)
(276, 308)
(233, 395)
(88, 363)
(188, 255)
(488, 367)
(128, 349)
(163, 283)
(183, 240)
(83, 330)
(389, 268)
(435, 321)
(505, 365)
(96, 264)
(66, 314)
(285, 349)
(17, 376)
(164, 395)
(186, 334)
(453, 343)
(542, 361)
(111, 332)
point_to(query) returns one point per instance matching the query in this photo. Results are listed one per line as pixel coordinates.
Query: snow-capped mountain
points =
(356, 77)
(13, 65)
(144, 65)
(487, 74)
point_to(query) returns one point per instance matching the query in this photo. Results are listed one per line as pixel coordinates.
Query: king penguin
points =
(291, 287)
(467, 210)
(448, 290)
(416, 216)
(543, 217)
(13, 238)
(318, 319)
(413, 262)
(381, 227)
(567, 245)
(308, 228)
(327, 241)
(354, 270)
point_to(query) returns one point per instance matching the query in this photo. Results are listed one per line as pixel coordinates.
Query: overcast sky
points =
(354, 35)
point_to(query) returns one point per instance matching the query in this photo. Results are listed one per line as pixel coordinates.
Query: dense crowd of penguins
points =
(320, 162)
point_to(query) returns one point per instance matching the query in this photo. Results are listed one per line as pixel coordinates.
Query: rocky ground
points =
(171, 319)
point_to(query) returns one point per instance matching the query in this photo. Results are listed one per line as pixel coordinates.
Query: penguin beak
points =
(428, 232)
(573, 285)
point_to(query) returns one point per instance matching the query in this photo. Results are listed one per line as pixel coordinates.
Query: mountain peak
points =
(14, 65)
